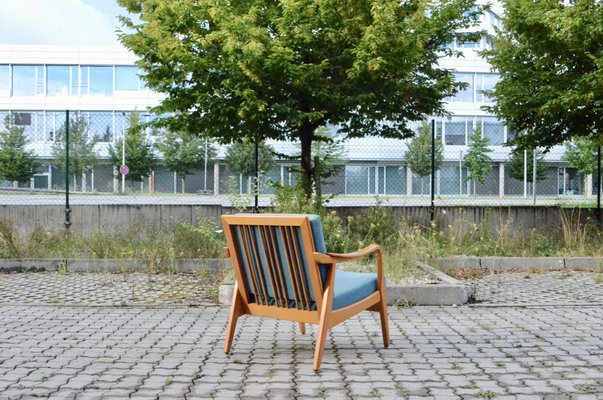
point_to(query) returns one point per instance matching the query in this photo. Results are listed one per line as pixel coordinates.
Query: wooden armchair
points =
(283, 271)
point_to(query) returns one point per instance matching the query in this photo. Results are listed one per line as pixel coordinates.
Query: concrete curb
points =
(109, 266)
(449, 292)
(520, 263)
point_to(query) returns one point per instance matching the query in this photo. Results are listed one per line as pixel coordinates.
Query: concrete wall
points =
(87, 219)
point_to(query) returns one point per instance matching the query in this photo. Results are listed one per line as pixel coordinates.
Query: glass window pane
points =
(24, 80)
(101, 126)
(357, 179)
(488, 82)
(395, 180)
(84, 80)
(101, 81)
(74, 79)
(4, 80)
(467, 93)
(455, 131)
(58, 80)
(494, 130)
(126, 78)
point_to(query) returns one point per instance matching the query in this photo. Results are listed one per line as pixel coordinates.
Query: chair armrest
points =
(333, 258)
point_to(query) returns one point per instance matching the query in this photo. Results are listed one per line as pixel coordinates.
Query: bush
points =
(373, 225)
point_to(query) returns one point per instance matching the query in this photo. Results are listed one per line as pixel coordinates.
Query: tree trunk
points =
(306, 133)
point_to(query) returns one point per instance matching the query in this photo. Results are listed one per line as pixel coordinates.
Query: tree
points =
(282, 69)
(517, 165)
(418, 153)
(240, 158)
(477, 160)
(183, 152)
(581, 153)
(82, 153)
(139, 152)
(16, 163)
(549, 58)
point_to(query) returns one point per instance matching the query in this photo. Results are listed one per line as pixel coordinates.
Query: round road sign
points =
(124, 170)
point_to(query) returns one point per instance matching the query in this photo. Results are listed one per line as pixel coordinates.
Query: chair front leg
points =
(236, 310)
(325, 318)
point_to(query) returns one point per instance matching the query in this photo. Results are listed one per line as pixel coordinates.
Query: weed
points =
(471, 386)
(487, 394)
(62, 269)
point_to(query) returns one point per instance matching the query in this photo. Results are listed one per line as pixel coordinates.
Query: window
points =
(84, 80)
(395, 180)
(4, 80)
(487, 83)
(126, 78)
(58, 80)
(464, 42)
(467, 93)
(494, 130)
(455, 131)
(28, 80)
(101, 126)
(101, 81)
(357, 179)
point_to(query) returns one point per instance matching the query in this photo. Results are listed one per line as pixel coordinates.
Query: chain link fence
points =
(363, 172)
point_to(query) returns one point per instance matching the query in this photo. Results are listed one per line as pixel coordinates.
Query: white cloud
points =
(56, 22)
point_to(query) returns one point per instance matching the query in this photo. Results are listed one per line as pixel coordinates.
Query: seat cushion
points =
(351, 287)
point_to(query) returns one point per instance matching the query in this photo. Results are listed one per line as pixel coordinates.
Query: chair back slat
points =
(274, 262)
(276, 278)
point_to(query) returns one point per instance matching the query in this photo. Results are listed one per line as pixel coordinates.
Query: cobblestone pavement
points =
(558, 287)
(176, 353)
(108, 289)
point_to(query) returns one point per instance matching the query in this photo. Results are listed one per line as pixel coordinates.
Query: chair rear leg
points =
(236, 310)
(302, 328)
(383, 314)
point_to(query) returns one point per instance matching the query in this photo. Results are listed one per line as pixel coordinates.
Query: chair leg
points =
(383, 315)
(302, 328)
(236, 310)
(323, 326)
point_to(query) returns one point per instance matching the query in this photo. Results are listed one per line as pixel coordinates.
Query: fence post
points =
(432, 204)
(67, 178)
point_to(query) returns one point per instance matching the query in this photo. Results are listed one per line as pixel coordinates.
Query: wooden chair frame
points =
(324, 315)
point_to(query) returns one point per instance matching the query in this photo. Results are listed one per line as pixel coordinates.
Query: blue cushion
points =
(351, 287)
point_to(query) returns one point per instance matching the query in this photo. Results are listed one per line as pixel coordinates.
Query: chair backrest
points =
(272, 256)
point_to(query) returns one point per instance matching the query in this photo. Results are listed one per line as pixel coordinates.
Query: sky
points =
(72, 22)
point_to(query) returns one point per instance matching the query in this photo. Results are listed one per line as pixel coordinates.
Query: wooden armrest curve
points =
(332, 258)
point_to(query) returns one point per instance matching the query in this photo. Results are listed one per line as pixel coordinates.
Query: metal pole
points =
(534, 176)
(599, 184)
(67, 178)
(525, 174)
(123, 151)
(257, 176)
(432, 205)
(205, 169)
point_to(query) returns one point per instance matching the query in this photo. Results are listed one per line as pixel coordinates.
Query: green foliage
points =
(281, 70)
(183, 152)
(516, 164)
(82, 154)
(240, 158)
(418, 152)
(16, 163)
(204, 240)
(581, 153)
(139, 152)
(477, 161)
(549, 58)
(373, 225)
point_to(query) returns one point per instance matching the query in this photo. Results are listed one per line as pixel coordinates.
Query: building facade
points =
(102, 85)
